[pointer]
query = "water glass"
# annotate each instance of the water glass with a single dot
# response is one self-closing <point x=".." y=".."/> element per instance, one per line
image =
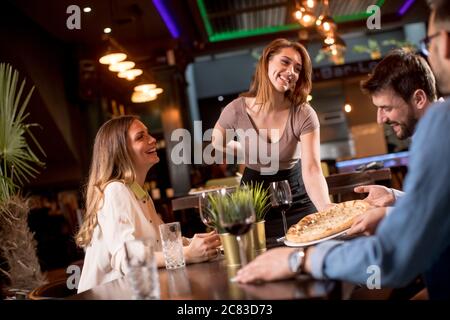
<point x="142" y="269"/>
<point x="172" y="245"/>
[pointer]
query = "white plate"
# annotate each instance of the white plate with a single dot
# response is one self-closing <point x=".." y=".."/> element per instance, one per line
<point x="305" y="244"/>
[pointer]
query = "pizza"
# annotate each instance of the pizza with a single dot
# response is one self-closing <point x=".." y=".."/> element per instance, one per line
<point x="323" y="224"/>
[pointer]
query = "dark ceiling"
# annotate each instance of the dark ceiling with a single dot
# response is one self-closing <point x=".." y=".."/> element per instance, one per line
<point x="138" y="27"/>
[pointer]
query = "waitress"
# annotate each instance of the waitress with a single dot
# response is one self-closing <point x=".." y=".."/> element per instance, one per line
<point x="275" y="108"/>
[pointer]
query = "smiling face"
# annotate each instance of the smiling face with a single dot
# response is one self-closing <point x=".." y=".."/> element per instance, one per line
<point x="396" y="112"/>
<point x="439" y="54"/>
<point x="142" y="146"/>
<point x="284" y="69"/>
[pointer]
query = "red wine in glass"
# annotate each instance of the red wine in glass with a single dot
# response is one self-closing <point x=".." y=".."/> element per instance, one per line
<point x="238" y="228"/>
<point x="238" y="222"/>
<point x="281" y="198"/>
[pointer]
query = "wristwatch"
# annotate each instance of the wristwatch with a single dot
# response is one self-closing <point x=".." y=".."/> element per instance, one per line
<point x="296" y="260"/>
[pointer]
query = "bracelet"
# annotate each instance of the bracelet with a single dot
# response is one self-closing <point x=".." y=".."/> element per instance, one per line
<point x="393" y="194"/>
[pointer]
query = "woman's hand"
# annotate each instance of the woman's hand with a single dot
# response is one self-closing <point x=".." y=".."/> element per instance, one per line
<point x="203" y="246"/>
<point x="378" y="196"/>
<point x="367" y="223"/>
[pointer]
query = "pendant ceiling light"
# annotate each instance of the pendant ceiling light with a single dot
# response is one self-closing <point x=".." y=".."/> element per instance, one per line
<point x="145" y="92"/>
<point x="122" y="66"/>
<point x="311" y="4"/>
<point x="112" y="57"/>
<point x="145" y="87"/>
<point x="130" y="74"/>
<point x="140" y="97"/>
<point x="305" y="17"/>
<point x="337" y="47"/>
<point x="325" y="23"/>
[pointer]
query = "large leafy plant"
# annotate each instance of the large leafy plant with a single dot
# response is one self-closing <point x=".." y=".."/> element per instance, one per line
<point x="18" y="163"/>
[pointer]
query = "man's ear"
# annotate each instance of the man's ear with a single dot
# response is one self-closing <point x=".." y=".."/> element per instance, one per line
<point x="420" y="99"/>
<point x="447" y="45"/>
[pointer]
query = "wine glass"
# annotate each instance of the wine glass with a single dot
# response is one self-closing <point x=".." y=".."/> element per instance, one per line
<point x="281" y="198"/>
<point x="236" y="217"/>
<point x="207" y="214"/>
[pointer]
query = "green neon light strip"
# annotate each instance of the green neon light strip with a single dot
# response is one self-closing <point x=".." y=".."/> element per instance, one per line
<point x="356" y="16"/>
<point x="215" y="37"/>
<point x="204" y="14"/>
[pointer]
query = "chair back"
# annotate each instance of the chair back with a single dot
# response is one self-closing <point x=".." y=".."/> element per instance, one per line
<point x="52" y="291"/>
<point x="341" y="185"/>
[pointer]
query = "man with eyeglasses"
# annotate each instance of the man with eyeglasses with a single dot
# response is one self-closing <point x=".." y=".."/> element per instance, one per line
<point x="381" y="196"/>
<point x="415" y="237"/>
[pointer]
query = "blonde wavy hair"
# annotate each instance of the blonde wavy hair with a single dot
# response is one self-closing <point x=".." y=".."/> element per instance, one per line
<point x="262" y="88"/>
<point x="111" y="161"/>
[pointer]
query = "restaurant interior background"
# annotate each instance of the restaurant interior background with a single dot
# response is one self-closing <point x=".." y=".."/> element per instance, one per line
<point x="202" y="53"/>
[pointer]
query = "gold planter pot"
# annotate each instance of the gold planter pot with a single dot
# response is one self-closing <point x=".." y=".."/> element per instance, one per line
<point x="231" y="247"/>
<point x="259" y="235"/>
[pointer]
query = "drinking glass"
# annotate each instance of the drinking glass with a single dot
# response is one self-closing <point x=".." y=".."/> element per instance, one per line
<point x="237" y="220"/>
<point x="142" y="269"/>
<point x="172" y="245"/>
<point x="205" y="207"/>
<point x="281" y="198"/>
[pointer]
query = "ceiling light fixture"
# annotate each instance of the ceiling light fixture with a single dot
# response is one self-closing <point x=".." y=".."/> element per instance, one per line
<point x="130" y="74"/>
<point x="140" y="97"/>
<point x="112" y="57"/>
<point x="145" y="87"/>
<point x="107" y="30"/>
<point x="325" y="23"/>
<point x="348" y="107"/>
<point x="87" y="9"/>
<point x="121" y="66"/>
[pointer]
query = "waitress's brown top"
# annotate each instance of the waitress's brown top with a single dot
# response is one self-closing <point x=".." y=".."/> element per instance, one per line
<point x="301" y="120"/>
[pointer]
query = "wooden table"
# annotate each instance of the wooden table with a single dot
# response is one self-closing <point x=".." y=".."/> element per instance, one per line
<point x="210" y="281"/>
<point x="337" y="183"/>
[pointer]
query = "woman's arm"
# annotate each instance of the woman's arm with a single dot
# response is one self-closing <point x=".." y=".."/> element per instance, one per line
<point x="223" y="142"/>
<point x="315" y="183"/>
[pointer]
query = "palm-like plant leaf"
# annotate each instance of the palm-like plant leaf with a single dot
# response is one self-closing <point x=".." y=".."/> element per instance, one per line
<point x="18" y="163"/>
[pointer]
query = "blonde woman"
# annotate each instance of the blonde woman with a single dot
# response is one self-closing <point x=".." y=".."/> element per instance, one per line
<point x="117" y="207"/>
<point x="275" y="108"/>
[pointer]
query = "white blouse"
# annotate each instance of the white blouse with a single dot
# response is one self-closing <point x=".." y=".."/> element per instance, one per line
<point x="125" y="215"/>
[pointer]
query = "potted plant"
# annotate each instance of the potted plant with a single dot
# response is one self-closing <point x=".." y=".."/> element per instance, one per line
<point x="18" y="163"/>
<point x="233" y="203"/>
<point x="261" y="203"/>
<point x="230" y="204"/>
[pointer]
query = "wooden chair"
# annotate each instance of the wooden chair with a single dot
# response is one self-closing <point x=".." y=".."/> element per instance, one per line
<point x="52" y="291"/>
<point x="57" y="288"/>
<point x="341" y="185"/>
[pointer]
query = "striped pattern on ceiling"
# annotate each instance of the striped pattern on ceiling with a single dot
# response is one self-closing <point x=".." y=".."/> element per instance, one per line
<point x="231" y="19"/>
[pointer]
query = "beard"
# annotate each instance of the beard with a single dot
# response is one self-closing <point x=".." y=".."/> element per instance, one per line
<point x="407" y="127"/>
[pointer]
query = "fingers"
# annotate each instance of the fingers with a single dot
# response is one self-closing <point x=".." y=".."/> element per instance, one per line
<point x="248" y="274"/>
<point x="357" y="227"/>
<point x="205" y="235"/>
<point x="362" y="189"/>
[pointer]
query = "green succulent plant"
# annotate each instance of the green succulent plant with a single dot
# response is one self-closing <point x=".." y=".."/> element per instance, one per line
<point x="253" y="194"/>
<point x="260" y="199"/>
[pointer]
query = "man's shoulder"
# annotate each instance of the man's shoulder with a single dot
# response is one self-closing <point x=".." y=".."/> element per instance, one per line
<point x="438" y="114"/>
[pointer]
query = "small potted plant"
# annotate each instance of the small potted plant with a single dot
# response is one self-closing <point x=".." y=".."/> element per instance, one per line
<point x="261" y="204"/>
<point x="231" y="207"/>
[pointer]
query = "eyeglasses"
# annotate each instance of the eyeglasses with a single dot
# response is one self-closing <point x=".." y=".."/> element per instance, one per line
<point x="425" y="43"/>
